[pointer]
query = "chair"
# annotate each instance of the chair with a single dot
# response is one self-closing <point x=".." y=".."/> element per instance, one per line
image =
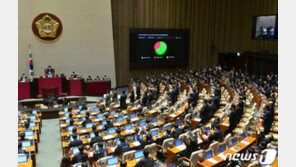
<point x="128" y="155"/>
<point x="214" y="147"/>
<point x="187" y="116"/>
<point x="80" y="164"/>
<point x="198" y="131"/>
<point x="195" y="157"/>
<point x="166" y="143"/>
<point x="103" y="161"/>
<point x="152" y="149"/>
<point x="226" y="139"/>
<point x="182" y="135"/>
<point x="166" y="125"/>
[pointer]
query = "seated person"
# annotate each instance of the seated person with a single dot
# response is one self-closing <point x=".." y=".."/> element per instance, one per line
<point x="22" y="136"/>
<point x="88" y="79"/>
<point x="73" y="75"/>
<point x="97" y="78"/>
<point x="105" y="78"/>
<point x="76" y="142"/>
<point x="20" y="149"/>
<point x="166" y="136"/>
<point x="102" y="152"/>
<point x="27" y="126"/>
<point x="191" y="146"/>
<point x="146" y="161"/>
<point x="176" y="132"/>
<point x="118" y="131"/>
<point x="149" y="125"/>
<point x="123" y="147"/>
<point x="96" y="139"/>
<point x="87" y="119"/>
<point x="149" y="140"/>
<point x="80" y="156"/>
<point x="218" y="134"/>
<point x="108" y="125"/>
<point x="23" y="78"/>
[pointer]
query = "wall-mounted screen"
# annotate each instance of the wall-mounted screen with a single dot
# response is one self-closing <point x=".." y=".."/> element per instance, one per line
<point x="265" y="27"/>
<point x="158" y="48"/>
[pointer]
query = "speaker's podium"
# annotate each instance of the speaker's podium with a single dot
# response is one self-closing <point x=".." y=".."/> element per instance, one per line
<point x="50" y="93"/>
<point x="52" y="72"/>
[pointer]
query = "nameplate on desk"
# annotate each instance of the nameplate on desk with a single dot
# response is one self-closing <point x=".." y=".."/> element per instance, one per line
<point x="212" y="160"/>
<point x="197" y="119"/>
<point x="245" y="142"/>
<point x="221" y="155"/>
<point x="108" y="137"/>
<point x="173" y="115"/>
<point x="181" y="147"/>
<point x="63" y="125"/>
<point x="134" y="119"/>
<point x="136" y="143"/>
<point x="91" y="154"/>
<point x="83" y="130"/>
<point x="112" y="148"/>
<point x="129" y="131"/>
<point x="233" y="149"/>
<point x="225" y="124"/>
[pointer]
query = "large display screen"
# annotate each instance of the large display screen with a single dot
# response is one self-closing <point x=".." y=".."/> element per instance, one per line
<point x="158" y="48"/>
<point x="265" y="27"/>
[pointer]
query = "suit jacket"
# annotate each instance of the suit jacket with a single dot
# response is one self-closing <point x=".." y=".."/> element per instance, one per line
<point x="96" y="139"/>
<point x="75" y="143"/>
<point x="123" y="101"/>
<point x="21" y="151"/>
<point x="146" y="162"/>
<point x="101" y="153"/>
<point x="79" y="157"/>
<point x="122" y="148"/>
<point x="218" y="135"/>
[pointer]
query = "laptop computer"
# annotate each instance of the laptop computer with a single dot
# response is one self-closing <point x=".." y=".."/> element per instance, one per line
<point x="71" y="138"/>
<point x="26" y="144"/>
<point x="128" y="127"/>
<point x="150" y="107"/>
<point x="112" y="112"/>
<point x="82" y="112"/>
<point x="66" y="109"/>
<point x="132" y="105"/>
<point x="140" y="136"/>
<point x="118" y="142"/>
<point x="32" y="124"/>
<point x="66" y="114"/>
<point x="22" y="158"/>
<point x="19" y="112"/>
<point x="100" y="115"/>
<point x="33" y="117"/>
<point x="172" y="111"/>
<point x="83" y="118"/>
<point x="234" y="141"/>
<point x="88" y="125"/>
<point x="34" y="112"/>
<point x="111" y="131"/>
<point x="120" y="119"/>
<point x="222" y="148"/>
<point x="68" y="121"/>
<point x="29" y="133"/>
<point x="70" y="128"/>
<point x="80" y="107"/>
<point x="243" y="136"/>
<point x="132" y="116"/>
<point x="167" y="127"/>
<point x="154" y="120"/>
<point x="104" y="122"/>
<point x="75" y="150"/>
<point x="180" y="123"/>
<point x="112" y="161"/>
<point x="91" y="134"/>
<point x="178" y="142"/>
<point x="154" y="133"/>
<point x="143" y="123"/>
<point x="208" y="154"/>
<point x="96" y="109"/>
<point x="139" y="154"/>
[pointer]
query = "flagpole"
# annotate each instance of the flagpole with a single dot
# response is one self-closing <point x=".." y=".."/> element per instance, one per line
<point x="31" y="69"/>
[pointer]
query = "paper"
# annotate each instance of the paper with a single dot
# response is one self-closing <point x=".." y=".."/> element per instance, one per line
<point x="136" y="143"/>
<point x="173" y="115"/>
<point x="212" y="160"/>
<point x="245" y="142"/>
<point x="181" y="147"/>
<point x="233" y="149"/>
<point x="83" y="130"/>
<point x="134" y="119"/>
<point x="112" y="148"/>
<point x="108" y="137"/>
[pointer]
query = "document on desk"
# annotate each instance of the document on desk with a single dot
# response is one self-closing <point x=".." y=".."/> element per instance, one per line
<point x="83" y="131"/>
<point x="173" y="115"/>
<point x="136" y="143"/>
<point x="212" y="160"/>
<point x="112" y="148"/>
<point x="245" y="142"/>
<point x="134" y="119"/>
<point x="181" y="147"/>
<point x="197" y="119"/>
<point x="108" y="137"/>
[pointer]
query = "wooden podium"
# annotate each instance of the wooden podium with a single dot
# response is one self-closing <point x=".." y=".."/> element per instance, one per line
<point x="53" y="72"/>
<point x="50" y="92"/>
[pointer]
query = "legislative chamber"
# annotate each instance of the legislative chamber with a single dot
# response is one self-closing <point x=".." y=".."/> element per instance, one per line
<point x="127" y="83"/>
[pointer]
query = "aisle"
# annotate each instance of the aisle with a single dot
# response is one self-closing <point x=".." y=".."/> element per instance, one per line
<point x="50" y="150"/>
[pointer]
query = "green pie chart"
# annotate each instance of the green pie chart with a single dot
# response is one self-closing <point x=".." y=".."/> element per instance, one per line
<point x="160" y="47"/>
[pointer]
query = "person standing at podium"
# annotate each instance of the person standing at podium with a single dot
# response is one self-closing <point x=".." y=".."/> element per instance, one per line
<point x="49" y="71"/>
<point x="73" y="75"/>
<point x="23" y="78"/>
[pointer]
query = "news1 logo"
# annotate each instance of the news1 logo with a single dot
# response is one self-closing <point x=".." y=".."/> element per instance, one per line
<point x="267" y="156"/>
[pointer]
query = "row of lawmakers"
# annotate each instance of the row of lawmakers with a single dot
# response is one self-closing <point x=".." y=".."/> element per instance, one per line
<point x="50" y="73"/>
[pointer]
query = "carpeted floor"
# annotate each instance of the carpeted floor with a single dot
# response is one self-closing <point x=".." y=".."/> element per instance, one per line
<point x="50" y="149"/>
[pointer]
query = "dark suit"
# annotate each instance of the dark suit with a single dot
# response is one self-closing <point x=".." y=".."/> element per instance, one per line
<point x="101" y="153"/>
<point x="108" y="99"/>
<point x="232" y="121"/>
<point x="176" y="133"/>
<point x="145" y="100"/>
<point x="122" y="148"/>
<point x="96" y="139"/>
<point x="75" y="143"/>
<point x="107" y="126"/>
<point x="146" y="162"/>
<point x="144" y="142"/>
<point x="88" y="120"/>
<point x="79" y="157"/>
<point x="218" y="135"/>
<point x="204" y="113"/>
<point x="21" y="151"/>
<point x="190" y="147"/>
<point x="132" y="97"/>
<point x="123" y="101"/>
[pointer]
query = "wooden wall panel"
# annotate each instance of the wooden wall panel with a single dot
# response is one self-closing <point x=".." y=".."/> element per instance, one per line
<point x="215" y="26"/>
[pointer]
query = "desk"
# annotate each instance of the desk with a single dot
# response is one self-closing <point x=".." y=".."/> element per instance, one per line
<point x="97" y="87"/>
<point x="50" y="83"/>
<point x="132" y="163"/>
<point x="75" y="87"/>
<point x="24" y="91"/>
<point x="171" y="155"/>
<point x="241" y="146"/>
<point x="26" y="164"/>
